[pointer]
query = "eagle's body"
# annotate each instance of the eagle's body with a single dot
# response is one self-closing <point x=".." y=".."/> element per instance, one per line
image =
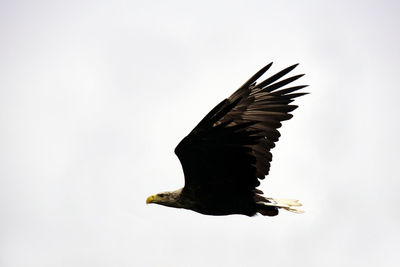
<point x="227" y="153"/>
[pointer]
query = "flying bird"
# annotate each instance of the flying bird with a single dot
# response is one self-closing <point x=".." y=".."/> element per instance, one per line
<point x="228" y="152"/>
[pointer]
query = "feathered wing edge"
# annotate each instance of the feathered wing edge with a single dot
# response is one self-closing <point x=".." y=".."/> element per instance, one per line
<point x="261" y="107"/>
<point x="264" y="106"/>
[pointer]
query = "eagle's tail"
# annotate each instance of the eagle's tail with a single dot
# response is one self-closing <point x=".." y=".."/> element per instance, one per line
<point x="271" y="206"/>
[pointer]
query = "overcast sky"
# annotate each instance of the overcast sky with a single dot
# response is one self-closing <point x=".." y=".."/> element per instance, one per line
<point x="95" y="95"/>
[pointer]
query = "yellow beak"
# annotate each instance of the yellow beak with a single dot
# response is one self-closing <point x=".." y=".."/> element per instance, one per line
<point x="151" y="199"/>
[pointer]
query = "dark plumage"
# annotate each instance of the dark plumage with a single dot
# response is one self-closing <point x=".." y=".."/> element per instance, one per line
<point x="227" y="153"/>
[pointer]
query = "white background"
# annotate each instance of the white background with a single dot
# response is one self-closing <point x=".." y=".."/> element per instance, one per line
<point x="95" y="95"/>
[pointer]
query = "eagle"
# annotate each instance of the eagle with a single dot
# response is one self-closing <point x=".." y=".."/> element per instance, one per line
<point x="227" y="154"/>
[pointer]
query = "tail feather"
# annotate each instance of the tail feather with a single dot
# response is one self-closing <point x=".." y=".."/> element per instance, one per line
<point x="271" y="206"/>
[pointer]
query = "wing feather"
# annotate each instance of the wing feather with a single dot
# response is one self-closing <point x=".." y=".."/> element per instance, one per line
<point x="229" y="150"/>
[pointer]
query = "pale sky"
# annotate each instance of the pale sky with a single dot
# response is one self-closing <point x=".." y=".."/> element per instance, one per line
<point x="95" y="95"/>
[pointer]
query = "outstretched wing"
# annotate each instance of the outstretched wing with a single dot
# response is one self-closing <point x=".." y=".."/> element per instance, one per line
<point x="229" y="150"/>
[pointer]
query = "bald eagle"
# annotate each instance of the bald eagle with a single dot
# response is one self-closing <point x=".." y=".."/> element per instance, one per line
<point x="227" y="153"/>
